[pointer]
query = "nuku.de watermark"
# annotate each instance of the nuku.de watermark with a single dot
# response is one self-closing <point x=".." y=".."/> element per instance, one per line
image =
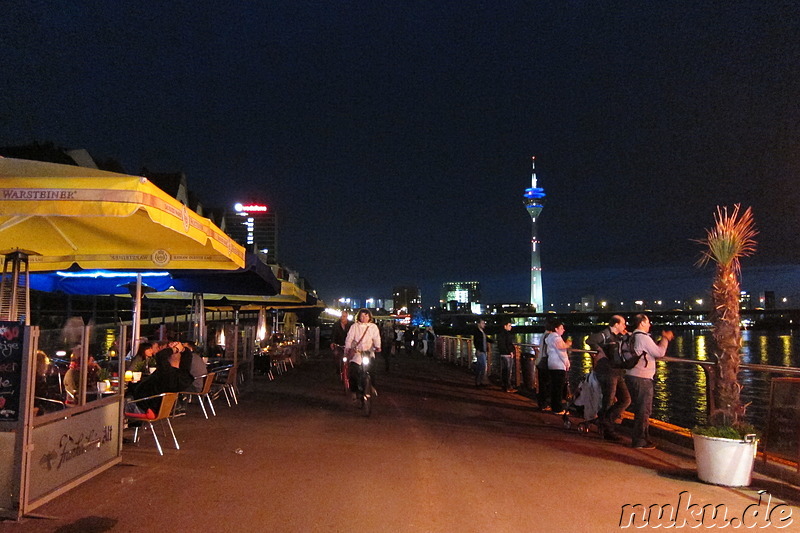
<point x="684" y="513"/>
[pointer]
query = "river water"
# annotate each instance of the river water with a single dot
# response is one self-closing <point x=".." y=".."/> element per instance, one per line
<point x="680" y="389"/>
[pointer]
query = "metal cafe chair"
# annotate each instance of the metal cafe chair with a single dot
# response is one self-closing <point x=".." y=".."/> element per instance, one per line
<point x="168" y="400"/>
<point x="204" y="393"/>
<point x="282" y="359"/>
<point x="228" y="387"/>
<point x="45" y="405"/>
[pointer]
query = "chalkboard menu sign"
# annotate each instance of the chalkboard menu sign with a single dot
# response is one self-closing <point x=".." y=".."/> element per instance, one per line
<point x="783" y="428"/>
<point x="11" y="336"/>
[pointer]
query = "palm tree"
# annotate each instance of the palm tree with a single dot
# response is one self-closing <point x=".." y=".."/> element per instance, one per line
<point x="730" y="239"/>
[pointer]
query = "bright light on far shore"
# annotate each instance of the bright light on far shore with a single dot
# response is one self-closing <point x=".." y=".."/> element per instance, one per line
<point x="334" y="312"/>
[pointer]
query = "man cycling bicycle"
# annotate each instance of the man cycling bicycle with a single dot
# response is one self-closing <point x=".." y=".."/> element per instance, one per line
<point x="338" y="336"/>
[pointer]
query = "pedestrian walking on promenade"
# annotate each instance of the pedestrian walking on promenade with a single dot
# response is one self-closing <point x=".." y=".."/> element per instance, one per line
<point x="611" y="377"/>
<point x="387" y="340"/>
<point x="558" y="366"/>
<point x="338" y="336"/>
<point x="481" y="343"/>
<point x="430" y="335"/>
<point x="640" y="378"/>
<point x="542" y="371"/>
<point x="398" y="340"/>
<point x="505" y="347"/>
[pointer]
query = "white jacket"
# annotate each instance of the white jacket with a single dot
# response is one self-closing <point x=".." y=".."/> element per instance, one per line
<point x="363" y="337"/>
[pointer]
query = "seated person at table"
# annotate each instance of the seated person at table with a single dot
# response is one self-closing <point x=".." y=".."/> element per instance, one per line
<point x="168" y="377"/>
<point x="143" y="356"/>
<point x="45" y="370"/>
<point x="193" y="363"/>
<point x="72" y="379"/>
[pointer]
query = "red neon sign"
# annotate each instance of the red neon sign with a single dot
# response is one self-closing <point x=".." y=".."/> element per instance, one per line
<point x="251" y="208"/>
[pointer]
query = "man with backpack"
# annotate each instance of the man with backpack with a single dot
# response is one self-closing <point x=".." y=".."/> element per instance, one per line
<point x="608" y="368"/>
<point x="640" y="378"/>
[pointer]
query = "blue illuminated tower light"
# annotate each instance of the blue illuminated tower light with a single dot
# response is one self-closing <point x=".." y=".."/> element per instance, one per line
<point x="534" y="202"/>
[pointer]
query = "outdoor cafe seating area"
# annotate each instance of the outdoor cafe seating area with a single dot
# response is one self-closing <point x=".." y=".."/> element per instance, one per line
<point x="59" y="377"/>
<point x="71" y="231"/>
<point x="221" y="387"/>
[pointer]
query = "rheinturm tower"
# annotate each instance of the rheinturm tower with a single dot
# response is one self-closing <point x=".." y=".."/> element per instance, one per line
<point x="534" y="202"/>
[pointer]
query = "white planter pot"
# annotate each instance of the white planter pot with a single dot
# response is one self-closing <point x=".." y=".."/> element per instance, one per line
<point x="725" y="462"/>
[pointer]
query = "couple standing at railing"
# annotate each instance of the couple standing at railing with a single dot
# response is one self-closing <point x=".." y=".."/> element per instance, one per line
<point x="624" y="367"/>
<point x="505" y="348"/>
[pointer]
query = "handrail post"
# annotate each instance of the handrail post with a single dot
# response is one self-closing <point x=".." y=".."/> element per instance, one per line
<point x="711" y="379"/>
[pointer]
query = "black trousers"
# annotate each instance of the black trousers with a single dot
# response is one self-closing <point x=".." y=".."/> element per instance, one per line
<point x="543" y="393"/>
<point x="557" y="380"/>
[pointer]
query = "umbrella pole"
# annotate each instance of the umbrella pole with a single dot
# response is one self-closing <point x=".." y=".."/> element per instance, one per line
<point x="235" y="335"/>
<point x="137" y="319"/>
<point x="199" y="322"/>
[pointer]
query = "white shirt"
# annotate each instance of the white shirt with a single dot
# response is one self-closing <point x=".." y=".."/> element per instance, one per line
<point x="370" y="342"/>
<point x="557" y="357"/>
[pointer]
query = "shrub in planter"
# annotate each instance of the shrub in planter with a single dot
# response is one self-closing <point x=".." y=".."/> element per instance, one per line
<point x="730" y="239"/>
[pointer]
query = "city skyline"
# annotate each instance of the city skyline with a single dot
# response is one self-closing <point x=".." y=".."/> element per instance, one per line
<point x="394" y="140"/>
<point x="623" y="285"/>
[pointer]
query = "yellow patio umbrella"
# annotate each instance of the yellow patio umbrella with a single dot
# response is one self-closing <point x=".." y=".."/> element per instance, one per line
<point x="62" y="215"/>
<point x="290" y="294"/>
<point x="102" y="220"/>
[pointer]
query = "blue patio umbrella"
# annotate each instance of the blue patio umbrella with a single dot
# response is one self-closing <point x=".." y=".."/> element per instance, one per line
<point x="255" y="279"/>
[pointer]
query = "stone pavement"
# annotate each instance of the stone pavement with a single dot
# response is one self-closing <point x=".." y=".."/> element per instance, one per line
<point x="437" y="455"/>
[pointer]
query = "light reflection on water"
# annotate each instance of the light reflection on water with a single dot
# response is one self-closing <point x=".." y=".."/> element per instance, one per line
<point x="680" y="389"/>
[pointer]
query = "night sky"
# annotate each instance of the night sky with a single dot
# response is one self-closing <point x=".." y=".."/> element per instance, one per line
<point x="394" y="139"/>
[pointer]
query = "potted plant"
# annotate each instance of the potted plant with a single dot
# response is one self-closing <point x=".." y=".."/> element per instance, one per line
<point x="103" y="380"/>
<point x="137" y="367"/>
<point x="726" y="447"/>
<point x="150" y="364"/>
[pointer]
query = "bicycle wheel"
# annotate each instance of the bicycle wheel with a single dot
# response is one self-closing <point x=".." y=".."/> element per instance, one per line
<point x="367" y="396"/>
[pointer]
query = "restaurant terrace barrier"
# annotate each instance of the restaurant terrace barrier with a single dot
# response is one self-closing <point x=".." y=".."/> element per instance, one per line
<point x="60" y="423"/>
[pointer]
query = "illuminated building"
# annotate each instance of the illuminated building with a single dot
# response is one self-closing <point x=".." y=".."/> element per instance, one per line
<point x="745" y="300"/>
<point x="406" y="299"/>
<point x="254" y="226"/>
<point x="462" y="295"/>
<point x="534" y="202"/>
<point x="509" y="307"/>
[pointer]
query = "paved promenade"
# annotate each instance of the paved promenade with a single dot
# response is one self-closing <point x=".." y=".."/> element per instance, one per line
<point x="437" y="455"/>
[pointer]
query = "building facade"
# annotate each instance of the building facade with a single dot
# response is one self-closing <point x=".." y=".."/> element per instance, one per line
<point x="255" y="227"/>
<point x="406" y="299"/>
<point x="461" y="296"/>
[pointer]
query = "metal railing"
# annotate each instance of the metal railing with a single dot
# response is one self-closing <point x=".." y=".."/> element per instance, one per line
<point x="458" y="350"/>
